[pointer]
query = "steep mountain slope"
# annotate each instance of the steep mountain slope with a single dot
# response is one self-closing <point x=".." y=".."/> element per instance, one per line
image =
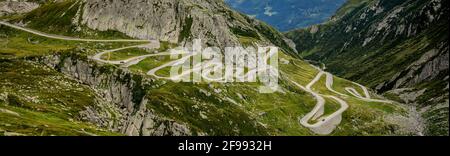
<point x="37" y="100"/>
<point x="8" y="7"/>
<point x="288" y="14"/>
<point x="134" y="102"/>
<point x="166" y="20"/>
<point x="397" y="47"/>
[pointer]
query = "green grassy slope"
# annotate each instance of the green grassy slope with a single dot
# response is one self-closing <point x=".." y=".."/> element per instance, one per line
<point x="36" y="100"/>
<point x="376" y="43"/>
<point x="387" y="54"/>
<point x="278" y="112"/>
<point x="214" y="108"/>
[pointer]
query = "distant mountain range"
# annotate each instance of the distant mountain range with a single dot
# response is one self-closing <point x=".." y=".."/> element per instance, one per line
<point x="288" y="14"/>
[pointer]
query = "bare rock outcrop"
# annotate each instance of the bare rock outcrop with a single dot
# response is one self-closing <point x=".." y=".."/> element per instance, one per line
<point x="14" y="6"/>
<point x="122" y="107"/>
<point x="178" y="21"/>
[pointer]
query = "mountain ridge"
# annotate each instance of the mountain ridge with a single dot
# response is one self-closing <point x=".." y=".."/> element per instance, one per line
<point x="286" y="15"/>
<point x="400" y="48"/>
<point x="135" y="102"/>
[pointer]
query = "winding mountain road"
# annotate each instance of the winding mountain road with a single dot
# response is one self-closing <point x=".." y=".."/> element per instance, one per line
<point x="59" y="37"/>
<point x="323" y="125"/>
<point x="329" y="84"/>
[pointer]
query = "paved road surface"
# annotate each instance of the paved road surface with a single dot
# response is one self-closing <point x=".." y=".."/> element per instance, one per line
<point x="65" y="37"/>
<point x="324" y="124"/>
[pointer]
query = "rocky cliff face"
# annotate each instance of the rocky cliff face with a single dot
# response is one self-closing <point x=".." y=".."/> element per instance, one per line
<point x="124" y="108"/>
<point x="13" y="7"/>
<point x="135" y="104"/>
<point x="178" y="21"/>
<point x="389" y="45"/>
